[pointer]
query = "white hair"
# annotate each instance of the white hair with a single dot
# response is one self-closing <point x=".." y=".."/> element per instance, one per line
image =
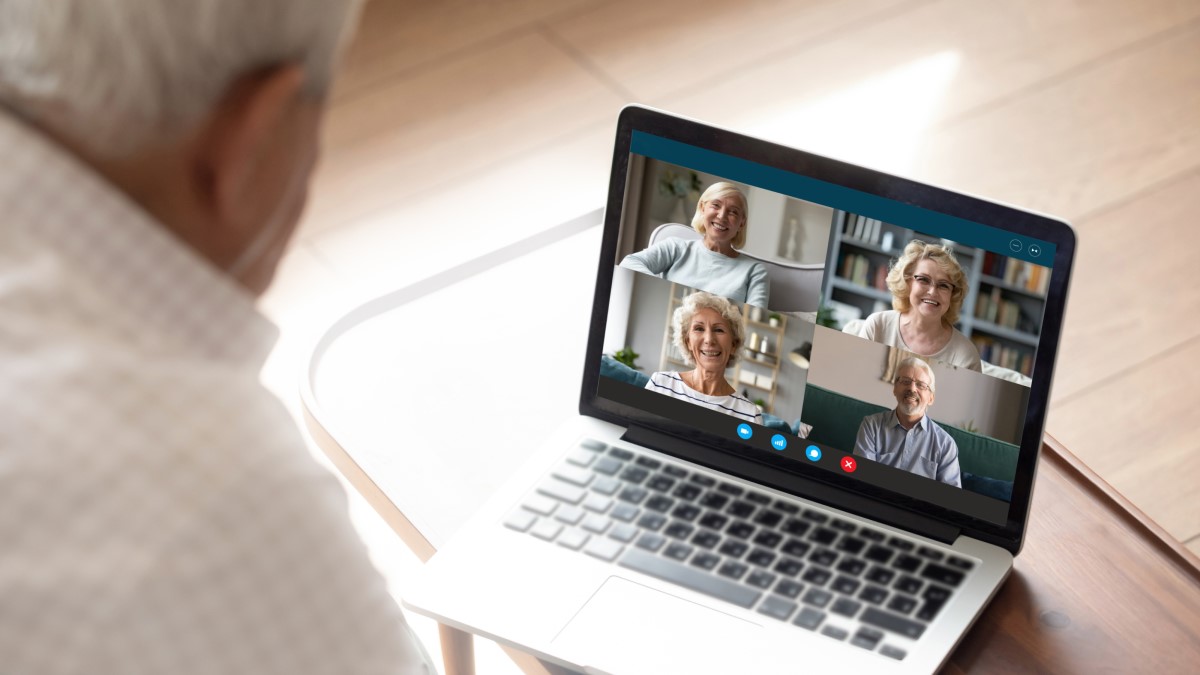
<point x="113" y="75"/>
<point x="681" y="321"/>
<point x="920" y="364"/>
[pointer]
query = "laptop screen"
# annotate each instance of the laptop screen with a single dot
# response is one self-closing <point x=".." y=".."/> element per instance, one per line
<point x="852" y="335"/>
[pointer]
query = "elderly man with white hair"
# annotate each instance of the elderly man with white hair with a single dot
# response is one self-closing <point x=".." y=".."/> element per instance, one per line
<point x="159" y="511"/>
<point x="905" y="438"/>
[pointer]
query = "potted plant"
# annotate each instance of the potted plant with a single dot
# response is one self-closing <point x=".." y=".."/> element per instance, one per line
<point x="627" y="356"/>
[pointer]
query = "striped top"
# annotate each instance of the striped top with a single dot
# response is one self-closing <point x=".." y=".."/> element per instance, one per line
<point x="737" y="405"/>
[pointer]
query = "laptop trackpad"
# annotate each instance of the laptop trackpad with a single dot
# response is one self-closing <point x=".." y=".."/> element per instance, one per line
<point x="626" y="627"/>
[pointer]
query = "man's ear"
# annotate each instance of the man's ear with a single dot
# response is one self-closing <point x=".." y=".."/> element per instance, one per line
<point x="231" y="147"/>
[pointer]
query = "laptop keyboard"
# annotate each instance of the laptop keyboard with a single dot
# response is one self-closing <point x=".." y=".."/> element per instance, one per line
<point x="779" y="558"/>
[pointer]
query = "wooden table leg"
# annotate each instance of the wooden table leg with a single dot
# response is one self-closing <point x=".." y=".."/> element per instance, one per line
<point x="458" y="650"/>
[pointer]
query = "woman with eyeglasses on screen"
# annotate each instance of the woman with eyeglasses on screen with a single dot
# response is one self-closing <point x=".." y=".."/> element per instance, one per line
<point x="928" y="286"/>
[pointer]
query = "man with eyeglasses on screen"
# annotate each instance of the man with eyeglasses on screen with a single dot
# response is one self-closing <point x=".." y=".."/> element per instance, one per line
<point x="905" y="438"/>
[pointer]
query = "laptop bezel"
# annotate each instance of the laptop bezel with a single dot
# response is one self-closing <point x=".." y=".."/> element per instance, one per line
<point x="797" y="477"/>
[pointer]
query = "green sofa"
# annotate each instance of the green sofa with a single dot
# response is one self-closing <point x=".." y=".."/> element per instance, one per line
<point x="988" y="465"/>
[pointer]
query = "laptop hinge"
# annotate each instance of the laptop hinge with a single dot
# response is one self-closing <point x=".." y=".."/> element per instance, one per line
<point x="873" y="509"/>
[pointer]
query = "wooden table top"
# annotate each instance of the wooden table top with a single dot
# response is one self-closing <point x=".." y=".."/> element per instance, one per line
<point x="1098" y="587"/>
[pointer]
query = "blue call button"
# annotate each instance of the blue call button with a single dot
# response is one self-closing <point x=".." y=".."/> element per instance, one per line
<point x="745" y="431"/>
<point x="778" y="442"/>
<point x="813" y="453"/>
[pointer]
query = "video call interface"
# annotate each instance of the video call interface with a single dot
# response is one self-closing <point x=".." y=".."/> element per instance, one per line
<point x="825" y="325"/>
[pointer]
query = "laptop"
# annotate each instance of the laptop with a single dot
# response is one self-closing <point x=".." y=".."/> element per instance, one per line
<point x="786" y="483"/>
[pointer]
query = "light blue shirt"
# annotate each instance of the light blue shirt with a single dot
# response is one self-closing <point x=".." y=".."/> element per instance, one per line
<point x="926" y="449"/>
<point x="740" y="279"/>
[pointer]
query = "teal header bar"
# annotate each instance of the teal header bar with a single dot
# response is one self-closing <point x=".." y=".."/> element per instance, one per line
<point x="940" y="225"/>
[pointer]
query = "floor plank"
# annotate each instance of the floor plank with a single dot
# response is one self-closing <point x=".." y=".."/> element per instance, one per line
<point x="1085" y="142"/>
<point x="396" y="37"/>
<point x="1132" y="297"/>
<point x="1194" y="545"/>
<point x="941" y="62"/>
<point x="658" y="48"/>
<point x="449" y="121"/>
<point x="1136" y="430"/>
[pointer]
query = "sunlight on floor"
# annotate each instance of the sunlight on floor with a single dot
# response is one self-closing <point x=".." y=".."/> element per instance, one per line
<point x="880" y="122"/>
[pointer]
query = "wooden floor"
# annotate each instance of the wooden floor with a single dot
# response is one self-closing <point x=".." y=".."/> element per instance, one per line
<point x="460" y="126"/>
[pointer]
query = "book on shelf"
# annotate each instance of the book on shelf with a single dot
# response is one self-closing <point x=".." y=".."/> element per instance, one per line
<point x="1014" y="358"/>
<point x="1017" y="273"/>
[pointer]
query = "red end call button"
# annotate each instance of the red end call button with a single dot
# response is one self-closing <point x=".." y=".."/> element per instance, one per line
<point x="849" y="465"/>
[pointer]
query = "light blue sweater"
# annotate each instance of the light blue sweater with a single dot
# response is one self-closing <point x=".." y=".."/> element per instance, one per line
<point x="689" y="263"/>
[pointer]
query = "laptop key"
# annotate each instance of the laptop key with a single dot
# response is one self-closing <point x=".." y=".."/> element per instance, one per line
<point x="651" y="541"/>
<point x="767" y="539"/>
<point x="892" y="623"/>
<point x="740" y="509"/>
<point x="713" y="521"/>
<point x="545" y="529"/>
<point x="902" y="604"/>
<point x="606" y="486"/>
<point x="942" y="575"/>
<point x="604" y="549"/>
<point x="573" y="539"/>
<point x="777" y="607"/>
<point x="621" y="454"/>
<point x="843" y="525"/>
<point x="564" y="492"/>
<point x="730" y="489"/>
<point x="900" y="544"/>
<point x="758" y="498"/>
<point x="581" y="457"/>
<point x="867" y="638"/>
<point x="796" y="547"/>
<point x="714" y="501"/>
<point x="570" y="515"/>
<point x="678" y="530"/>
<point x="809" y="618"/>
<point x="648" y="462"/>
<point x="785" y="507"/>
<point x="908" y="585"/>
<point x="761" y="579"/>
<point x="873" y="536"/>
<point x="873" y="594"/>
<point x="686" y="576"/>
<point x="960" y="563"/>
<point x="623" y="532"/>
<point x="520" y="520"/>
<point x="625" y="512"/>
<point x="661" y="483"/>
<point x="686" y="512"/>
<point x="607" y="466"/>
<point x="879" y="554"/>
<point x="768" y="518"/>
<point x="703" y="481"/>
<point x="678" y="551"/>
<point x="592" y="444"/>
<point x="835" y="632"/>
<point x="845" y="585"/>
<point x="789" y="589"/>
<point x="706" y="539"/>
<point x="822" y="536"/>
<point x="543" y="506"/>
<point x="880" y="575"/>
<point x="741" y="530"/>
<point x="733" y="569"/>
<point x="573" y="475"/>
<point x="733" y="548"/>
<point x="789" y="566"/>
<point x="817" y="597"/>
<point x="893" y="652"/>
<point x="851" y="545"/>
<point x="817" y="576"/>
<point x="815" y="516"/>
<point x="633" y="495"/>
<point x="660" y="503"/>
<point x="675" y="471"/>
<point x="652" y="522"/>
<point x="595" y="523"/>
<point x="823" y="557"/>
<point x="597" y="503"/>
<point x="634" y="475"/>
<point x="851" y="566"/>
<point x="930" y="553"/>
<point x="761" y="558"/>
<point x="796" y="527"/>
<point x="686" y="491"/>
<point x="846" y="607"/>
<point x="706" y="561"/>
<point x="906" y="563"/>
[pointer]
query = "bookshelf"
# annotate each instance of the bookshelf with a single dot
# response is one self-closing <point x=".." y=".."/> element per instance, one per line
<point x="1002" y="309"/>
<point x="756" y="373"/>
